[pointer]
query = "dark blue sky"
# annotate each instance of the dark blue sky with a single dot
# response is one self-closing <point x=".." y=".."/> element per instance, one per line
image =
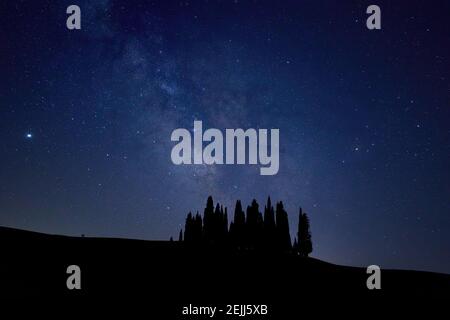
<point x="363" y="115"/>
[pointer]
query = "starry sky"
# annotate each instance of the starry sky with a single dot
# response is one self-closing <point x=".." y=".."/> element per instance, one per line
<point x="86" y="118"/>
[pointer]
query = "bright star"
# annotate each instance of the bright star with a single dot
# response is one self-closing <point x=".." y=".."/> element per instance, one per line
<point x="29" y="135"/>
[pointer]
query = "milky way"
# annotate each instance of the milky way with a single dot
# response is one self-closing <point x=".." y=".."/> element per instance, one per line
<point x="86" y="119"/>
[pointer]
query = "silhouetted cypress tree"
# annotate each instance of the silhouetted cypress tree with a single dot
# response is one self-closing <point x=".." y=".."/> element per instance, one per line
<point x="254" y="226"/>
<point x="295" y="246"/>
<point x="180" y="236"/>
<point x="197" y="237"/>
<point x="231" y="231"/>
<point x="225" y="223"/>
<point x="232" y="236"/>
<point x="251" y="225"/>
<point x="269" y="225"/>
<point x="220" y="225"/>
<point x="282" y="228"/>
<point x="238" y="226"/>
<point x="304" y="235"/>
<point x="259" y="231"/>
<point x="217" y="229"/>
<point x="188" y="228"/>
<point x="208" y="220"/>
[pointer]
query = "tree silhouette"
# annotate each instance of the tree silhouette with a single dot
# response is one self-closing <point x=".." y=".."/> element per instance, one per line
<point x="225" y="235"/>
<point x="208" y="221"/>
<point x="250" y="231"/>
<point x="188" y="228"/>
<point x="197" y="232"/>
<point x="251" y="225"/>
<point x="304" y="235"/>
<point x="269" y="226"/>
<point x="295" y="246"/>
<point x="237" y="227"/>
<point x="283" y="238"/>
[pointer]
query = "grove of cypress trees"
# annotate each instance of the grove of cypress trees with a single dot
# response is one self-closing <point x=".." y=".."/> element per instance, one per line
<point x="304" y="235"/>
<point x="249" y="231"/>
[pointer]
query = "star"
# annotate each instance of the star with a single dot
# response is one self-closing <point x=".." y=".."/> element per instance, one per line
<point x="29" y="135"/>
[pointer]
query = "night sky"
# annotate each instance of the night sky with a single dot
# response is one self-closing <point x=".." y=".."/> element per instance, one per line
<point x="86" y="118"/>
